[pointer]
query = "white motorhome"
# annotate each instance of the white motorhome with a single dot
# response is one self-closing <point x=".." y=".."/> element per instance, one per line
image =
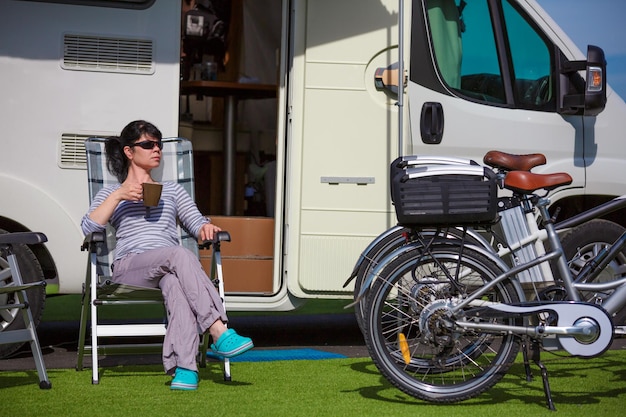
<point x="481" y="75"/>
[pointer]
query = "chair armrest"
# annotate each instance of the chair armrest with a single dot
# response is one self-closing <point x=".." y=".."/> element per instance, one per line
<point x="222" y="236"/>
<point x="92" y="240"/>
<point x="26" y="238"/>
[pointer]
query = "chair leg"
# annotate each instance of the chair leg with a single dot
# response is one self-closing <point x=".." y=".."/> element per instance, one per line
<point x="84" y="314"/>
<point x="227" y="376"/>
<point x="35" y="347"/>
<point x="217" y="264"/>
<point x="94" y="322"/>
<point x="204" y="347"/>
<point x="44" y="382"/>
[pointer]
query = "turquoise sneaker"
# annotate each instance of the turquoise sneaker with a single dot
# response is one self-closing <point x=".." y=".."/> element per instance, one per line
<point x="231" y="344"/>
<point x="185" y="380"/>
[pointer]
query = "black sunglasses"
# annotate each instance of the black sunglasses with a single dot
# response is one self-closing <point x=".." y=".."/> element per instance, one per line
<point x="149" y="144"/>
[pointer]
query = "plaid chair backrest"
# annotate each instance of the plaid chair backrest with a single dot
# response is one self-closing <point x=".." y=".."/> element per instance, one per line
<point x="176" y="165"/>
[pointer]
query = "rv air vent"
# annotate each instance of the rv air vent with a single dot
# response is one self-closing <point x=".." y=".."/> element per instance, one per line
<point x="107" y="54"/>
<point x="72" y="151"/>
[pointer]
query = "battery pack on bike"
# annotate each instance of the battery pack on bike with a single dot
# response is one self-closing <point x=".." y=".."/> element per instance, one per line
<point x="524" y="245"/>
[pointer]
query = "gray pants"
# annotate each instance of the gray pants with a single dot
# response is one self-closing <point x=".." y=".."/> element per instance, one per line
<point x="191" y="300"/>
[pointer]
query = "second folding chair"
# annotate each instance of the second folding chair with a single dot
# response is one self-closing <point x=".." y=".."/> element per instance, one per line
<point x="13" y="297"/>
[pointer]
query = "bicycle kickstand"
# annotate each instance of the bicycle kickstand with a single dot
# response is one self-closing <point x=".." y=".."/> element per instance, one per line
<point x="544" y="373"/>
<point x="525" y="346"/>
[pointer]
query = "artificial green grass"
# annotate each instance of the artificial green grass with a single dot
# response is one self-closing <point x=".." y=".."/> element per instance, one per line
<point x="336" y="387"/>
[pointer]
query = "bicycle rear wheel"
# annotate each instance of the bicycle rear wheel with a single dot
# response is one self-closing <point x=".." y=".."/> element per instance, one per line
<point x="412" y="337"/>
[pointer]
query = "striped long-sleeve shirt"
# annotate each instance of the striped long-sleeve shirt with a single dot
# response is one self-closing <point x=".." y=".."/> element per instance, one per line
<point x="139" y="228"/>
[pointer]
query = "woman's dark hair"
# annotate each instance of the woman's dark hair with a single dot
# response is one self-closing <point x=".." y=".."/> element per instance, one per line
<point x="117" y="162"/>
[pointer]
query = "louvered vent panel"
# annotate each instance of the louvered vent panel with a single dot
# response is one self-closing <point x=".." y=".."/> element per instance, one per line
<point x="96" y="53"/>
<point x="72" y="151"/>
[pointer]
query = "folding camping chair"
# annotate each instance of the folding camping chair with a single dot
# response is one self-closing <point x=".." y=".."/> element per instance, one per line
<point x="99" y="291"/>
<point x="13" y="296"/>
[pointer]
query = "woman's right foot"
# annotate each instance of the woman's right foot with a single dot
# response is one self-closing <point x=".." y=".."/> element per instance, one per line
<point x="185" y="380"/>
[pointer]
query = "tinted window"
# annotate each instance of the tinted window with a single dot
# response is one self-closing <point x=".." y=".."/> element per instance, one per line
<point x="473" y="63"/>
<point x="531" y="60"/>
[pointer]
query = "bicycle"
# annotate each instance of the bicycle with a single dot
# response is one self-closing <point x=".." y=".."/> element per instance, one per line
<point x="580" y="244"/>
<point x="446" y="317"/>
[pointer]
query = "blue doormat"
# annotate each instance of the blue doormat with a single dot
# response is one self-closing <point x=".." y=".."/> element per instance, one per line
<point x="268" y="355"/>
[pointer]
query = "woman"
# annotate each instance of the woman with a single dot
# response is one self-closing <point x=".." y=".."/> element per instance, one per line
<point x="148" y="253"/>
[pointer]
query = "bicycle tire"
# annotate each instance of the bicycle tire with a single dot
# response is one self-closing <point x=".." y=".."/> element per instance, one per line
<point x="445" y="364"/>
<point x="387" y="245"/>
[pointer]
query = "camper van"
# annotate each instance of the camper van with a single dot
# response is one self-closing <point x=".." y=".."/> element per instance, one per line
<point x="294" y="118"/>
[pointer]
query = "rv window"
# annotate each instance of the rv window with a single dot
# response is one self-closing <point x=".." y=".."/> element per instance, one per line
<point x="532" y="63"/>
<point x="482" y="63"/>
<point x="446" y="34"/>
<point x="465" y="48"/>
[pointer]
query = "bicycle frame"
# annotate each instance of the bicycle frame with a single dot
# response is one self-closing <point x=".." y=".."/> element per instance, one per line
<point x="612" y="304"/>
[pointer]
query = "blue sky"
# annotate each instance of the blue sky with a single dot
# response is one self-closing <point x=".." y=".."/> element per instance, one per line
<point x="596" y="22"/>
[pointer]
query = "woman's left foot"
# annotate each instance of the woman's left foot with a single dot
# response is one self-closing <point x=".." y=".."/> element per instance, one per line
<point x="231" y="344"/>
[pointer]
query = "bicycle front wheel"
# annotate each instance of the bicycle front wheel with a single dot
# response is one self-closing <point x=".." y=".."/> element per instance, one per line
<point x="412" y="335"/>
